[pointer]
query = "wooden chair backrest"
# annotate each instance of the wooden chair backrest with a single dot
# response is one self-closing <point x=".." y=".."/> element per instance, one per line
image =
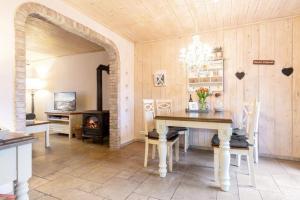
<point x="163" y="106"/>
<point x="253" y="120"/>
<point x="149" y="114"/>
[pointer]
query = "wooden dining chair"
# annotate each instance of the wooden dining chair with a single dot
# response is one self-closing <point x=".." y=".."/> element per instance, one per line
<point x="165" y="106"/>
<point x="247" y="109"/>
<point x="152" y="137"/>
<point x="240" y="145"/>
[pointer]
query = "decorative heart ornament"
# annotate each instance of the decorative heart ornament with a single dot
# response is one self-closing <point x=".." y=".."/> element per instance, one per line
<point x="240" y="75"/>
<point x="287" y="71"/>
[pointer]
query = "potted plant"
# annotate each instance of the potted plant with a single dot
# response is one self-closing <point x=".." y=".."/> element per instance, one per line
<point x="218" y="51"/>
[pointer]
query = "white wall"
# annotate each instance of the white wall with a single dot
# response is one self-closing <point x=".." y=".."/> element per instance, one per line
<point x="68" y="73"/>
<point x="7" y="62"/>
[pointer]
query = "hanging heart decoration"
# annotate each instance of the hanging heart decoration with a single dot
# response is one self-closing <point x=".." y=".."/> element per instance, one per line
<point x="240" y="75"/>
<point x="287" y="71"/>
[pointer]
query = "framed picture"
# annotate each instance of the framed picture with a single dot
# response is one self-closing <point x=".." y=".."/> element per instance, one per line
<point x="159" y="78"/>
<point x="193" y="106"/>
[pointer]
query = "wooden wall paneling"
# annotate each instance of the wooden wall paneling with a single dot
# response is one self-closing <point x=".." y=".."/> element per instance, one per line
<point x="241" y="57"/>
<point x="230" y="51"/>
<point x="283" y="88"/>
<point x="296" y="88"/>
<point x="267" y="139"/>
<point x="276" y="114"/>
<point x="155" y="60"/>
<point x="251" y="89"/>
<point x="138" y="90"/>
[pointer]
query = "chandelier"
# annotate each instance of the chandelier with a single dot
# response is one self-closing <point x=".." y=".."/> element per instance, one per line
<point x="196" y="54"/>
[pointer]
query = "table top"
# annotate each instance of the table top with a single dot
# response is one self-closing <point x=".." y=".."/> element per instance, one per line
<point x="57" y="112"/>
<point x="36" y="123"/>
<point x="14" y="139"/>
<point x="216" y="117"/>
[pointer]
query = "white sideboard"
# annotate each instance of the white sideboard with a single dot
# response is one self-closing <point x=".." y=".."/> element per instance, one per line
<point x="16" y="163"/>
<point x="64" y="122"/>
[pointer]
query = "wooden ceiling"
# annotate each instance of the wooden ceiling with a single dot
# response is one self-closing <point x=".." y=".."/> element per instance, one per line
<point x="44" y="39"/>
<point x="143" y="20"/>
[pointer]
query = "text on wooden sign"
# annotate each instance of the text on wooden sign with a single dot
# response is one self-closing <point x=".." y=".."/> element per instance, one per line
<point x="263" y="62"/>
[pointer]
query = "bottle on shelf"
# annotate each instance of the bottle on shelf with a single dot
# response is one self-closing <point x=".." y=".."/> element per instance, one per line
<point x="190" y="100"/>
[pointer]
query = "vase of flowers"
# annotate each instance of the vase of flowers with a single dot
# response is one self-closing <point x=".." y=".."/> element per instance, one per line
<point x="202" y="93"/>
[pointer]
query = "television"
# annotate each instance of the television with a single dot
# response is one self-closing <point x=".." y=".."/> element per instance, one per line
<point x="65" y="101"/>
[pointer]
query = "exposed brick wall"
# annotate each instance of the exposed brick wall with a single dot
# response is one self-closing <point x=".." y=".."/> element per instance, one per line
<point x="34" y="9"/>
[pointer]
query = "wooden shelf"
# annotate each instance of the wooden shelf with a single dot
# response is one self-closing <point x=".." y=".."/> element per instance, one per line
<point x="59" y="120"/>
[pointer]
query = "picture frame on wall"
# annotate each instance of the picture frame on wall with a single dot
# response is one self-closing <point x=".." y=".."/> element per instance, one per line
<point x="159" y="78"/>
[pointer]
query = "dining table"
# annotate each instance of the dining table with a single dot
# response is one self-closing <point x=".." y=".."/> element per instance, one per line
<point x="220" y="121"/>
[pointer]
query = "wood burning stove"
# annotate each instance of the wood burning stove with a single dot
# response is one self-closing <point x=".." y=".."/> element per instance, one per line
<point x="95" y="123"/>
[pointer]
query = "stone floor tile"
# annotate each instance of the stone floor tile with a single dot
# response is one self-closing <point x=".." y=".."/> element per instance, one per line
<point x="89" y="186"/>
<point x="269" y="195"/>
<point x="100" y="174"/>
<point x="161" y="188"/>
<point x="35" y="181"/>
<point x="286" y="180"/>
<point x="64" y="182"/>
<point x="194" y="191"/>
<point x="227" y="196"/>
<point x="116" y="189"/>
<point x="135" y="196"/>
<point x="247" y="193"/>
<point x="74" y="194"/>
<point x="34" y="194"/>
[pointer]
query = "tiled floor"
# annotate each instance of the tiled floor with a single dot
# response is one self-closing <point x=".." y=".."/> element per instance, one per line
<point x="85" y="171"/>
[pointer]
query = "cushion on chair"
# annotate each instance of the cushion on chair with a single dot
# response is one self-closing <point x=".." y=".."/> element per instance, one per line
<point x="154" y="134"/>
<point x="178" y="128"/>
<point x="236" y="141"/>
<point x="239" y="131"/>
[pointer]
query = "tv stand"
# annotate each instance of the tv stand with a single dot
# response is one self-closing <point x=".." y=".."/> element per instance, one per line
<point x="64" y="121"/>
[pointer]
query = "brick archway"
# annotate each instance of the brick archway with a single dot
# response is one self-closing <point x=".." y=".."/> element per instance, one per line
<point x="34" y="9"/>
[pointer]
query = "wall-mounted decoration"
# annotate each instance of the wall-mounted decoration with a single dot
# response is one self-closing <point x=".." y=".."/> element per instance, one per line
<point x="217" y="53"/>
<point x="263" y="62"/>
<point x="240" y="75"/>
<point x="159" y="78"/>
<point x="287" y="71"/>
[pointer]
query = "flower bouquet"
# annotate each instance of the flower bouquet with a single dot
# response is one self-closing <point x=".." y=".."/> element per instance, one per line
<point x="202" y="93"/>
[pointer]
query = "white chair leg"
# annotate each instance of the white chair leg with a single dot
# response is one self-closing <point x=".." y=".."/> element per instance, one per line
<point x="255" y="152"/>
<point x="177" y="150"/>
<point x="186" y="141"/>
<point x="251" y="167"/>
<point x="146" y="153"/>
<point x="171" y="158"/>
<point x="216" y="164"/>
<point x="238" y="159"/>
<point x="153" y="151"/>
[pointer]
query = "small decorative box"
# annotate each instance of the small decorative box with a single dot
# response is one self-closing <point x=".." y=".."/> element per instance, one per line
<point x="3" y="133"/>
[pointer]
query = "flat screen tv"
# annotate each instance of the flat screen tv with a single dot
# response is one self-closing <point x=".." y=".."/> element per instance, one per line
<point x="65" y="101"/>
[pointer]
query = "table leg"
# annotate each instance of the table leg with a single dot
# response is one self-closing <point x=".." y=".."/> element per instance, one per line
<point x="162" y="130"/>
<point x="224" y="158"/>
<point x="47" y="137"/>
<point x="24" y="171"/>
<point x="22" y="190"/>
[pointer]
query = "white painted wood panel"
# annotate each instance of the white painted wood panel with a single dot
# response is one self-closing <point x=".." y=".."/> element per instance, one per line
<point x="145" y="20"/>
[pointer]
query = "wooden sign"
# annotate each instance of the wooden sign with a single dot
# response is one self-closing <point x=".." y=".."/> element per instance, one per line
<point x="263" y="62"/>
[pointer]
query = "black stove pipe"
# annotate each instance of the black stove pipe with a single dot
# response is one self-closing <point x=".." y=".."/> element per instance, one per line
<point x="100" y="68"/>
